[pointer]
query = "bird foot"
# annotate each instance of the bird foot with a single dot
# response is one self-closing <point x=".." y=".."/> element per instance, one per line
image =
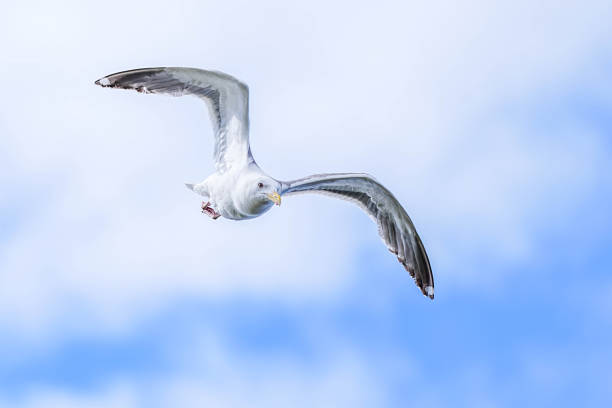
<point x="208" y="210"/>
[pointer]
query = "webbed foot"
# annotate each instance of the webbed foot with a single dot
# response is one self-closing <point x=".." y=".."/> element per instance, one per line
<point x="208" y="210"/>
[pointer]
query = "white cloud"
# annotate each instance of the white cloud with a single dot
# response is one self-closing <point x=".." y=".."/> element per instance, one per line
<point x="213" y="374"/>
<point x="117" y="397"/>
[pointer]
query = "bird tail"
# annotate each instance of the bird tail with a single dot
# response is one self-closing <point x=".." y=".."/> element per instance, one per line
<point x="200" y="189"/>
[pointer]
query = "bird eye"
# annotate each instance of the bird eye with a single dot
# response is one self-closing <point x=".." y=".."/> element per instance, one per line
<point x="260" y="185"/>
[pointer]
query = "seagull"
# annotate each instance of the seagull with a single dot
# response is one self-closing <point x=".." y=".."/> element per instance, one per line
<point x="240" y="190"/>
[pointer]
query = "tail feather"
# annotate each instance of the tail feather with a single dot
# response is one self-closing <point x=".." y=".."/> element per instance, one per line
<point x="198" y="189"/>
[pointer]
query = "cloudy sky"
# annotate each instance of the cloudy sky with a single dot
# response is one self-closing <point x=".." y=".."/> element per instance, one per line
<point x="491" y="123"/>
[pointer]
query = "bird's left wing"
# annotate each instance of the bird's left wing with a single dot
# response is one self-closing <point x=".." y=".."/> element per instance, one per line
<point x="394" y="225"/>
<point x="227" y="99"/>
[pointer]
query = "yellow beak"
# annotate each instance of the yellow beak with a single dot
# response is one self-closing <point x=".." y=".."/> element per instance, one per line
<point x="275" y="198"/>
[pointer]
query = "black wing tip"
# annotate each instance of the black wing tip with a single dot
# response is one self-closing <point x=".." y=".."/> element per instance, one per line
<point x="103" y="82"/>
<point x="426" y="280"/>
<point x="426" y="289"/>
<point x="111" y="81"/>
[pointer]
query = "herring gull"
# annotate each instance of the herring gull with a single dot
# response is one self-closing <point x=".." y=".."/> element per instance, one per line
<point x="240" y="190"/>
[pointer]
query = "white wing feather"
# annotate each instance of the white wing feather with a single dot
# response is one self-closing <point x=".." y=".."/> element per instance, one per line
<point x="227" y="99"/>
<point x="394" y="225"/>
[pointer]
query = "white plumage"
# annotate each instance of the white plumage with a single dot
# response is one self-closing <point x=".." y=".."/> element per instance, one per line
<point x="240" y="190"/>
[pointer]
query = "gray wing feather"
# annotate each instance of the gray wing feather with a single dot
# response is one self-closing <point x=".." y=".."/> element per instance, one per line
<point x="394" y="225"/>
<point x="226" y="97"/>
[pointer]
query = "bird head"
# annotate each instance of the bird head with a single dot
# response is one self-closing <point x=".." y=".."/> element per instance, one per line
<point x="267" y="190"/>
<point x="256" y="192"/>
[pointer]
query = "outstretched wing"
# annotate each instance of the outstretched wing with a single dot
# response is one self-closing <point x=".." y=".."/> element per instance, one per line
<point x="226" y="97"/>
<point x="394" y="225"/>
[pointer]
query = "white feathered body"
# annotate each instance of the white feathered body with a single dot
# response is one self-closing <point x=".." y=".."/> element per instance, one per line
<point x="231" y="193"/>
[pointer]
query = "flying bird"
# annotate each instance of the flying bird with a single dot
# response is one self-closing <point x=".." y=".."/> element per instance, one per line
<point x="240" y="190"/>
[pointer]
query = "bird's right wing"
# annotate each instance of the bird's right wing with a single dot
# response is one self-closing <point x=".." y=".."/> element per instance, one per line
<point x="394" y="225"/>
<point x="226" y="97"/>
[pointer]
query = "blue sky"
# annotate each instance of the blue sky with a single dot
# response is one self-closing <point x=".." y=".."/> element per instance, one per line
<point x="490" y="122"/>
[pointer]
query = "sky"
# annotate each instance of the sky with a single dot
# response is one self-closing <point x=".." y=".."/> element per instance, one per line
<point x="490" y="121"/>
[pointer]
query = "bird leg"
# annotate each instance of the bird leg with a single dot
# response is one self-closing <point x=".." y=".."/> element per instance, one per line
<point x="208" y="210"/>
